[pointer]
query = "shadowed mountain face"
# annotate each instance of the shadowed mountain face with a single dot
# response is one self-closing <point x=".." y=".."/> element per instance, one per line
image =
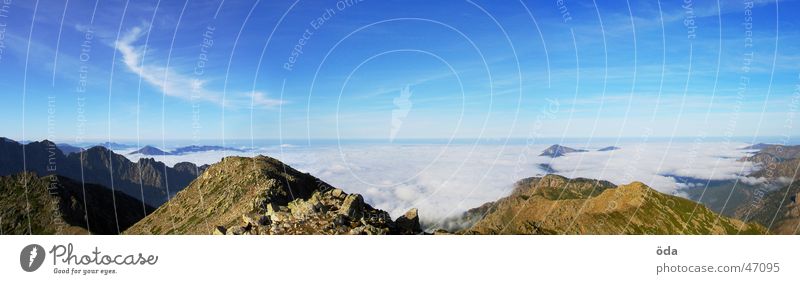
<point x="777" y="210"/>
<point x="261" y="195"/>
<point x="558" y="151"/>
<point x="58" y="205"/>
<point x="557" y="205"/>
<point x="147" y="179"/>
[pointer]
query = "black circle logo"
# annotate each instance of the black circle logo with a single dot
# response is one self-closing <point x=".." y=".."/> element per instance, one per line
<point x="31" y="257"/>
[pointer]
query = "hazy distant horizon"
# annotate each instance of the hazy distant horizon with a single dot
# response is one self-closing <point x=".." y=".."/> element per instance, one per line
<point x="567" y="141"/>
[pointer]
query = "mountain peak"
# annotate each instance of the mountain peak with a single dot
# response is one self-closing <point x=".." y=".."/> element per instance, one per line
<point x="149" y="151"/>
<point x="262" y="195"/>
<point x="585" y="206"/>
<point x="556" y="150"/>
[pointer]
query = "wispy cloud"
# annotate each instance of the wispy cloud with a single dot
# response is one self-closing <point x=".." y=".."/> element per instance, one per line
<point x="259" y="99"/>
<point x="184" y="86"/>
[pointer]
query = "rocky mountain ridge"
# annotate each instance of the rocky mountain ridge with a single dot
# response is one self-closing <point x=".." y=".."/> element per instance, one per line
<point x="261" y="195"/>
<point x="556" y="205"/>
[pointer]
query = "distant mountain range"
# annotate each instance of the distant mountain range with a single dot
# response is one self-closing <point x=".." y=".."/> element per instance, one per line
<point x="153" y="151"/>
<point x="68" y="149"/>
<point x="114" y="146"/>
<point x="44" y="191"/>
<point x="147" y="179"/>
<point x="759" y="146"/>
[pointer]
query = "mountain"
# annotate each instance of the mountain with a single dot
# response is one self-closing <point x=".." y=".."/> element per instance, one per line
<point x="114" y="146"/>
<point x="609" y="148"/>
<point x="148" y="180"/>
<point x="558" y="151"/>
<point x="261" y="195"/>
<point x="68" y="149"/>
<point x="149" y="151"/>
<point x="777" y="167"/>
<point x="195" y="149"/>
<point x="58" y="205"/>
<point x="773" y="154"/>
<point x="778" y="210"/>
<point x="759" y="146"/>
<point x="776" y="161"/>
<point x="153" y="151"/>
<point x="547" y="168"/>
<point x="721" y="196"/>
<point x="556" y="205"/>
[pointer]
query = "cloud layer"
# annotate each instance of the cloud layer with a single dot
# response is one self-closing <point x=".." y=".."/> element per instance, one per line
<point x="444" y="181"/>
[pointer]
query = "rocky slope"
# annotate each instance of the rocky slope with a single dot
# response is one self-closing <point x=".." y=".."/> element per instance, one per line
<point x="30" y="204"/>
<point x="147" y="179"/>
<point x="261" y="195"/>
<point x="556" y="205"/>
<point x="778" y="210"/>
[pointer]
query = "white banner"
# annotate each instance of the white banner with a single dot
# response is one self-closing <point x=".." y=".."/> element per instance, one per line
<point x="399" y="259"/>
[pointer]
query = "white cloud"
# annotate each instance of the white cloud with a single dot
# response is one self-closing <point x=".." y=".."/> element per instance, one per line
<point x="444" y="181"/>
<point x="176" y="84"/>
<point x="259" y="99"/>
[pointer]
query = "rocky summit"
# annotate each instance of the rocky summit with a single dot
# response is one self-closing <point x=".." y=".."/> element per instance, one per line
<point x="261" y="195"/>
<point x="557" y="205"/>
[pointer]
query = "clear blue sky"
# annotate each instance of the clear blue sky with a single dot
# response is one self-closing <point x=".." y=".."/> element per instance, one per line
<point x="473" y="69"/>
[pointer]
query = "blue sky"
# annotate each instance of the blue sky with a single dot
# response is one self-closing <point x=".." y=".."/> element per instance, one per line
<point x="122" y="70"/>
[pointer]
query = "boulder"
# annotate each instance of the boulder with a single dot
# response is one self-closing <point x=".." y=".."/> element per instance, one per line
<point x="409" y="222"/>
<point x="264" y="220"/>
<point x="271" y="208"/>
<point x="341" y="220"/>
<point x="300" y="208"/>
<point x="250" y="219"/>
<point x="218" y="230"/>
<point x="236" y="230"/>
<point x="337" y="193"/>
<point x="353" y="206"/>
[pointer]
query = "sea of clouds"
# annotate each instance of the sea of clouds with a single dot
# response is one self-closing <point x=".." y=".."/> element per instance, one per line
<point x="445" y="180"/>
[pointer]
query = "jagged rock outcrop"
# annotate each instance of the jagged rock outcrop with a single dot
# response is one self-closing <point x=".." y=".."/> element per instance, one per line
<point x="557" y="205"/>
<point x="409" y="222"/>
<point x="261" y="195"/>
<point x="30" y="204"/>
